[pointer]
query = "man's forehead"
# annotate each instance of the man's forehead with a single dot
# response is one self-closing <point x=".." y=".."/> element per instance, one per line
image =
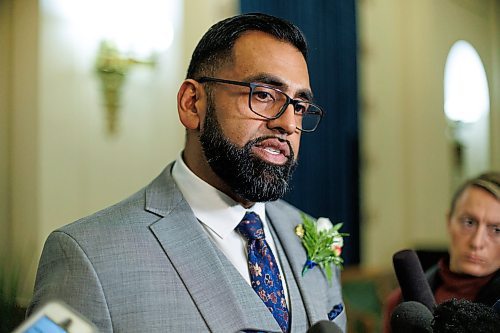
<point x="261" y="57"/>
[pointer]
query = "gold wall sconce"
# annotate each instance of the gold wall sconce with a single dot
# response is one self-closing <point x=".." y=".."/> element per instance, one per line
<point x="112" y="68"/>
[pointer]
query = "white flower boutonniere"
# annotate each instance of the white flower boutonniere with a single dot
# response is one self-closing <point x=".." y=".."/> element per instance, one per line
<point x="323" y="243"/>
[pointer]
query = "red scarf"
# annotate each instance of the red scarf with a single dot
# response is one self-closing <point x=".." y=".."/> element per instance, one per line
<point x="459" y="286"/>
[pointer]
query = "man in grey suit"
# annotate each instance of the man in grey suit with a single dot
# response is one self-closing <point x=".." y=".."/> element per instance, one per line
<point x="170" y="257"/>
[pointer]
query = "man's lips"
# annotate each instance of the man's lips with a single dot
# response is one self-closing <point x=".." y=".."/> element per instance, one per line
<point x="275" y="146"/>
<point x="272" y="150"/>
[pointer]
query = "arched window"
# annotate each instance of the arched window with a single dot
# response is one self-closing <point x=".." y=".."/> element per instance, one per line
<point x="466" y="96"/>
<point x="467" y="106"/>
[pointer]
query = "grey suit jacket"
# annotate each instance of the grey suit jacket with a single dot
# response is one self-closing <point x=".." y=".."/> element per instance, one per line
<point x="147" y="265"/>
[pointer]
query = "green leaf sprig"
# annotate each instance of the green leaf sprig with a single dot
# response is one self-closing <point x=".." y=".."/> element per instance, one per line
<point x="323" y="243"/>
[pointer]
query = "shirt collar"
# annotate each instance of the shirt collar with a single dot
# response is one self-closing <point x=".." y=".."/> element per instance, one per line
<point x="213" y="208"/>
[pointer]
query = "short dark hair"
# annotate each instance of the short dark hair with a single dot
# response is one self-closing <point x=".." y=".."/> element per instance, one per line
<point x="488" y="181"/>
<point x="216" y="46"/>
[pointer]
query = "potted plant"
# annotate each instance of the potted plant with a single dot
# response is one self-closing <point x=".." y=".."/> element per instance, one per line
<point x="11" y="314"/>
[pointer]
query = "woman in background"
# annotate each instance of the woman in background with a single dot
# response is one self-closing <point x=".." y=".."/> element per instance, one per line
<point x="471" y="270"/>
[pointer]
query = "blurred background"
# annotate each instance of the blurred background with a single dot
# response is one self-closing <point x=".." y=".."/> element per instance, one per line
<point x="88" y="116"/>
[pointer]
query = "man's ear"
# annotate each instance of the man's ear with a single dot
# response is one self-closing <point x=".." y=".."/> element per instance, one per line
<point x="191" y="104"/>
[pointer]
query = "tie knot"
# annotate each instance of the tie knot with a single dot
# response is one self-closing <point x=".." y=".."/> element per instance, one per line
<point x="251" y="227"/>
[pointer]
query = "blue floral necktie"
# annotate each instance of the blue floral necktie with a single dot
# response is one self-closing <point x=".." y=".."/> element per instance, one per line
<point x="264" y="271"/>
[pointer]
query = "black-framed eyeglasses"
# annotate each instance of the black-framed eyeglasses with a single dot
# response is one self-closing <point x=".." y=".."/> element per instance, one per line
<point x="271" y="103"/>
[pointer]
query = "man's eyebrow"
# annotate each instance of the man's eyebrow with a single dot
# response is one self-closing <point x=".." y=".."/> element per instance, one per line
<point x="274" y="81"/>
<point x="266" y="79"/>
<point x="306" y="95"/>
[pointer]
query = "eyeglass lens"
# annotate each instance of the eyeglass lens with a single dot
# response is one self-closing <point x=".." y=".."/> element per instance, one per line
<point x="269" y="103"/>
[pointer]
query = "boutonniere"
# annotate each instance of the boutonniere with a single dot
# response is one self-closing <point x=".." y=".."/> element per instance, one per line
<point x="323" y="243"/>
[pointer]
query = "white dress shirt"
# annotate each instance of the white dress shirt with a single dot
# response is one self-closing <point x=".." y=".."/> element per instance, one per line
<point x="219" y="215"/>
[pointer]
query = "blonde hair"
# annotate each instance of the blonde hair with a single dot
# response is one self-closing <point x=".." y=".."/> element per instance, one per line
<point x="488" y="181"/>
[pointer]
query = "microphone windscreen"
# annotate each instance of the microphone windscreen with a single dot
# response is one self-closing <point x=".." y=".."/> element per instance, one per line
<point x="324" y="326"/>
<point x="411" y="317"/>
<point x="461" y="315"/>
<point x="411" y="278"/>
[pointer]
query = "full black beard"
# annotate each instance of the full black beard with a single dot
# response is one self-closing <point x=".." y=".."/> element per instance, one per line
<point x="248" y="176"/>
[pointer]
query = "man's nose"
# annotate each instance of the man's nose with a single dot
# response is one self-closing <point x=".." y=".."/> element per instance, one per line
<point x="286" y="123"/>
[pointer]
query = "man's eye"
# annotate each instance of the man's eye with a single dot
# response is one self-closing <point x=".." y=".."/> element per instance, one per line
<point x="263" y="96"/>
<point x="300" y="108"/>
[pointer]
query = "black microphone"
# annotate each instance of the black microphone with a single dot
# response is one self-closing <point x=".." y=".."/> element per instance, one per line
<point x="411" y="278"/>
<point x="411" y="317"/>
<point x="324" y="326"/>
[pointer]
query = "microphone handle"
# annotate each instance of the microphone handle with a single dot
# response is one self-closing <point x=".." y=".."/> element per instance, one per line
<point x="412" y="279"/>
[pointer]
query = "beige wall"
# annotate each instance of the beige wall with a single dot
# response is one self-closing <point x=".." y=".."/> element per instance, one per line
<point x="5" y="101"/>
<point x="494" y="9"/>
<point x="406" y="153"/>
<point x="25" y="135"/>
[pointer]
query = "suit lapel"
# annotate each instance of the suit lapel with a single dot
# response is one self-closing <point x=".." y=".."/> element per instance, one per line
<point x="226" y="302"/>
<point x="297" y="256"/>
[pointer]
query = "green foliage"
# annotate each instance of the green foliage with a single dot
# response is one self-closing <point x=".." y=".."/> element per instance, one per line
<point x="318" y="245"/>
<point x="11" y="314"/>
